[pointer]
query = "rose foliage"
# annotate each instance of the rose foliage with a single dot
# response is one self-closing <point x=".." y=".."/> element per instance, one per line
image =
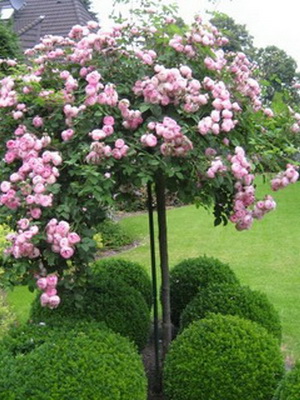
<point x="94" y="115"/>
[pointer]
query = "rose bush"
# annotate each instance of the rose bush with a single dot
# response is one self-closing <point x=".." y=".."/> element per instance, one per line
<point x="94" y="115"/>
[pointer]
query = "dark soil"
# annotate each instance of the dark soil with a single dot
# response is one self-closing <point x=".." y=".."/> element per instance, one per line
<point x="148" y="355"/>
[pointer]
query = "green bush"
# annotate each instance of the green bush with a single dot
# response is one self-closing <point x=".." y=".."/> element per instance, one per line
<point x="85" y="363"/>
<point x="223" y="357"/>
<point x="289" y="387"/>
<point x="234" y="300"/>
<point x="132" y="273"/>
<point x="120" y="306"/>
<point x="7" y="318"/>
<point x="113" y="235"/>
<point x="189" y="275"/>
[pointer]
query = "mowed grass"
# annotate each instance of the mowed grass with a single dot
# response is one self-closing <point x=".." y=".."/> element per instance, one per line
<point x="266" y="258"/>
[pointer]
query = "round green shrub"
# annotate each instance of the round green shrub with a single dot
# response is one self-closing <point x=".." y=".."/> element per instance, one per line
<point x="25" y="338"/>
<point x="289" y="387"/>
<point x="223" y="357"/>
<point x="191" y="274"/>
<point x="130" y="272"/>
<point x="120" y="306"/>
<point x="233" y="300"/>
<point x="85" y="363"/>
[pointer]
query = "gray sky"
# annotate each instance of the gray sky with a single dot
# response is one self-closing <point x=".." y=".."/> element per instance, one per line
<point x="270" y="22"/>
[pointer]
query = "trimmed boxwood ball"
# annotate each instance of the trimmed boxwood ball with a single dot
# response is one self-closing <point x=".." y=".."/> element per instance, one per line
<point x="85" y="363"/>
<point x="234" y="300"/>
<point x="223" y="357"/>
<point x="289" y="388"/>
<point x="25" y="338"/>
<point x="130" y="272"/>
<point x="120" y="306"/>
<point x="191" y="274"/>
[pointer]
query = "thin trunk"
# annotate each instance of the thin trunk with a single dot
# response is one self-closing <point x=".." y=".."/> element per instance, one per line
<point x="160" y="188"/>
<point x="157" y="385"/>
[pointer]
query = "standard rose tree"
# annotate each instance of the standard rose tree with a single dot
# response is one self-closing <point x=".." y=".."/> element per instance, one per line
<point x="99" y="113"/>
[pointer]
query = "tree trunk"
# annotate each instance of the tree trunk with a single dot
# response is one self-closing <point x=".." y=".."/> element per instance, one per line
<point x="160" y="188"/>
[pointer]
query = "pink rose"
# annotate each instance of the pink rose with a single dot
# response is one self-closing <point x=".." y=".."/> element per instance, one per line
<point x="39" y="188"/>
<point x="44" y="300"/>
<point x="66" y="252"/>
<point x="51" y="291"/>
<point x="52" y="280"/>
<point x="34" y="229"/>
<point x="42" y="283"/>
<point x="150" y="140"/>
<point x="64" y="242"/>
<point x="73" y="238"/>
<point x="63" y="228"/>
<point x="54" y="301"/>
<point x="23" y="223"/>
<point x="119" y="143"/>
<point x="108" y="129"/>
<point x="37" y="122"/>
<point x="108" y="120"/>
<point x="98" y="134"/>
<point x="5" y="186"/>
<point x="36" y="213"/>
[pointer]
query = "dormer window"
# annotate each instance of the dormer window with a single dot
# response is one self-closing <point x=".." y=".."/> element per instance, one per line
<point x="6" y="12"/>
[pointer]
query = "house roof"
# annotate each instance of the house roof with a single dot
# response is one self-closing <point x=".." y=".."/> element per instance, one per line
<point x="38" y="18"/>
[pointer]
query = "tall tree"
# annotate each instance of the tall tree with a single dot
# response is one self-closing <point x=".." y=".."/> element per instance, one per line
<point x="277" y="68"/>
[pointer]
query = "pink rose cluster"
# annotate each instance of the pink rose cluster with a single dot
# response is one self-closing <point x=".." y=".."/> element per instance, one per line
<point x="207" y="35"/>
<point x="37" y="172"/>
<point x="48" y="285"/>
<point x="174" y="142"/>
<point x="221" y="117"/>
<point x="241" y="67"/>
<point x="71" y="112"/>
<point x="218" y="62"/>
<point x="61" y="239"/>
<point x="172" y="86"/>
<point x="8" y="96"/>
<point x="21" y="241"/>
<point x="100" y="150"/>
<point x="285" y="178"/>
<point x="244" y="198"/>
<point x="132" y="118"/>
<point x="147" y="56"/>
<point x="217" y="166"/>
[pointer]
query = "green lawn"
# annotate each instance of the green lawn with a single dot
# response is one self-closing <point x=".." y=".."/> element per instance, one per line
<point x="265" y="257"/>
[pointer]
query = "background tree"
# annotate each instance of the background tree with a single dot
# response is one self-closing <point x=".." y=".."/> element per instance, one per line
<point x="89" y="6"/>
<point x="237" y="34"/>
<point x="278" y="69"/>
<point x="9" y="42"/>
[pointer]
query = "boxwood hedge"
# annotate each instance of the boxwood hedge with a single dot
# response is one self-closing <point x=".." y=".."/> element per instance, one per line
<point x="85" y="363"/>
<point x="120" y="306"/>
<point x="191" y="274"/>
<point x="223" y="357"/>
<point x="234" y="300"/>
<point x="130" y="272"/>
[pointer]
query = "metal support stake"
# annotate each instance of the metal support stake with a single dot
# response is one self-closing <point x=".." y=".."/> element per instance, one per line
<point x="154" y="283"/>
